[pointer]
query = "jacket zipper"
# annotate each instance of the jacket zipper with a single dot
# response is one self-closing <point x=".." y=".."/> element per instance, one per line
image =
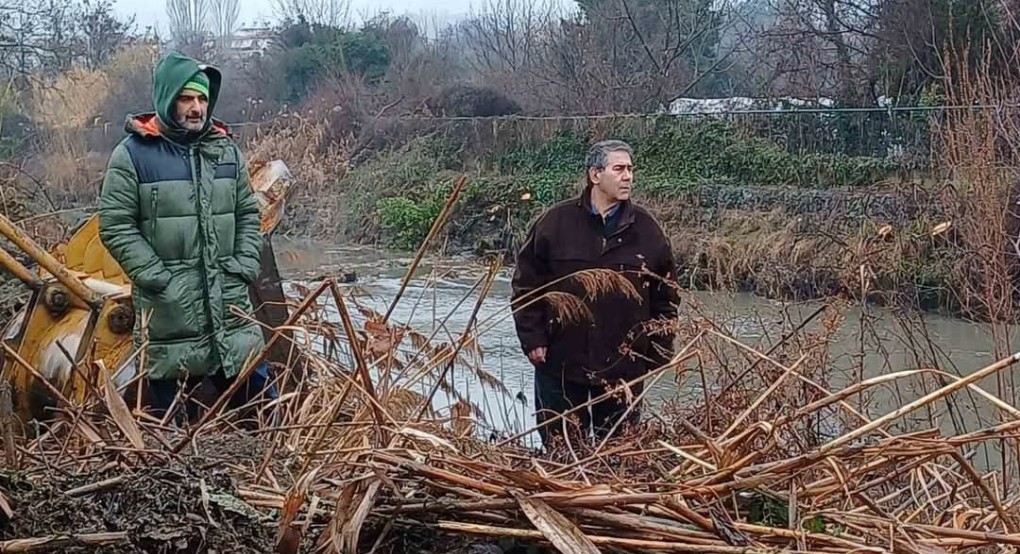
<point x="153" y="203"/>
<point x="198" y="189"/>
<point x="195" y="177"/>
<point x="196" y="181"/>
<point x="605" y="240"/>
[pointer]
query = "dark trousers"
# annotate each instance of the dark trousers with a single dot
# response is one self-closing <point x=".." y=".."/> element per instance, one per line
<point x="554" y="396"/>
<point x="164" y="391"/>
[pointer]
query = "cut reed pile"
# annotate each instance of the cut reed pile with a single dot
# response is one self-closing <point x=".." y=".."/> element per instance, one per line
<point x="359" y="455"/>
<point x="354" y="459"/>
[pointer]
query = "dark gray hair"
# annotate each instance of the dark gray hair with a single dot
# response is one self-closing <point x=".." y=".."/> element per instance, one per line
<point x="598" y="154"/>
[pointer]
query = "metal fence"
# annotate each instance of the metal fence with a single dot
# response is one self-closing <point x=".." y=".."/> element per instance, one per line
<point x="902" y="133"/>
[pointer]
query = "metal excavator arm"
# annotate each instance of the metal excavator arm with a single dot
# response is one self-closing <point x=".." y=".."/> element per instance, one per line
<point x="79" y="319"/>
<point x="74" y="323"/>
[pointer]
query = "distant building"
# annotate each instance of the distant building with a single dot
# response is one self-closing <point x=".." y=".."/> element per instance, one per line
<point x="246" y="42"/>
<point x="741" y="103"/>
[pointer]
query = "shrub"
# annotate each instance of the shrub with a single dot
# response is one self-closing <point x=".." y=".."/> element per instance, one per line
<point x="470" y="101"/>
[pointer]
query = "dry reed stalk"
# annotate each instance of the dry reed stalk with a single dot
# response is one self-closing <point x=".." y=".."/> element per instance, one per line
<point x="359" y="357"/>
<point x="558" y="530"/>
<point x="608" y="394"/>
<point x="831" y="398"/>
<point x="628" y="521"/>
<point x="829" y="447"/>
<point x="486" y="287"/>
<point x="250" y="367"/>
<point x="758" y="401"/>
<point x="682" y="355"/>
<point x="979" y="537"/>
<point x="438" y="224"/>
<point x="645" y="545"/>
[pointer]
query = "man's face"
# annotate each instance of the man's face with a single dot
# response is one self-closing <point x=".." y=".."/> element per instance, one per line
<point x="616" y="180"/>
<point x="191" y="110"/>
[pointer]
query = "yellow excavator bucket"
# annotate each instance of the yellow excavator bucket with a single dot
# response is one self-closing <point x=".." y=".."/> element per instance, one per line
<point x="85" y="253"/>
<point x="79" y="318"/>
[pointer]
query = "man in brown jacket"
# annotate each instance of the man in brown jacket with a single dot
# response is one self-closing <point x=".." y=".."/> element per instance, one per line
<point x="575" y="362"/>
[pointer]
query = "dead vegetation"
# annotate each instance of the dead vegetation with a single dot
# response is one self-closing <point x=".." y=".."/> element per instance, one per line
<point x="355" y="457"/>
<point x="779" y="255"/>
<point x="363" y="452"/>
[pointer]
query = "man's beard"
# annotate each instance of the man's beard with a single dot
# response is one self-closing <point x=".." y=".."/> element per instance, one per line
<point x="186" y="124"/>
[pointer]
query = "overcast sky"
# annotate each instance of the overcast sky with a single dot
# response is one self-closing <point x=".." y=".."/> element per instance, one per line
<point x="147" y="12"/>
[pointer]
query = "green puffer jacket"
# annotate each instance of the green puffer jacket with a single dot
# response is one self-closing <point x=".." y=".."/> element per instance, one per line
<point x="177" y="212"/>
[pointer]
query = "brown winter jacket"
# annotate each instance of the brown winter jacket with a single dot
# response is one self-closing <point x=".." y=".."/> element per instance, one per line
<point x="568" y="238"/>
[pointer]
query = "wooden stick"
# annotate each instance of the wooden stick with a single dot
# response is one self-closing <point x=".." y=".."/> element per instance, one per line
<point x="58" y="541"/>
<point x="96" y="487"/>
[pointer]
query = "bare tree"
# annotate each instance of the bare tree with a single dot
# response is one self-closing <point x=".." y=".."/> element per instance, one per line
<point x="505" y="34"/>
<point x="633" y="55"/>
<point x="823" y="47"/>
<point x="855" y="50"/>
<point x="102" y="33"/>
<point x="38" y="36"/>
<point x="328" y="13"/>
<point x="507" y="43"/>
<point x="225" y="14"/>
<point x="188" y="22"/>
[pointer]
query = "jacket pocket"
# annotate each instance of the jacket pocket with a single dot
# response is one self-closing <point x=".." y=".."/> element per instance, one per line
<point x="235" y="289"/>
<point x="170" y="313"/>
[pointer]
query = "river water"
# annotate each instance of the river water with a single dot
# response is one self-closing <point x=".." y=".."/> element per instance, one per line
<point x="868" y="342"/>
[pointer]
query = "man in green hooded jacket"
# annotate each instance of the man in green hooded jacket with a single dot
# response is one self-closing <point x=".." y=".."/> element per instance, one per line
<point x="177" y="213"/>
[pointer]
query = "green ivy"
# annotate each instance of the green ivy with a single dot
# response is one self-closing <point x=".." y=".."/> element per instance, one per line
<point x="677" y="155"/>
<point x="408" y="219"/>
<point x="673" y="156"/>
<point x="551" y="169"/>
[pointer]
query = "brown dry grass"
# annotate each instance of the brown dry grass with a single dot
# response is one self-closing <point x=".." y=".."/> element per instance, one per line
<point x="306" y="143"/>
<point x="778" y="255"/>
<point x="66" y="108"/>
<point x="599" y="282"/>
<point x="760" y="251"/>
<point x="979" y="153"/>
<point x="71" y="100"/>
